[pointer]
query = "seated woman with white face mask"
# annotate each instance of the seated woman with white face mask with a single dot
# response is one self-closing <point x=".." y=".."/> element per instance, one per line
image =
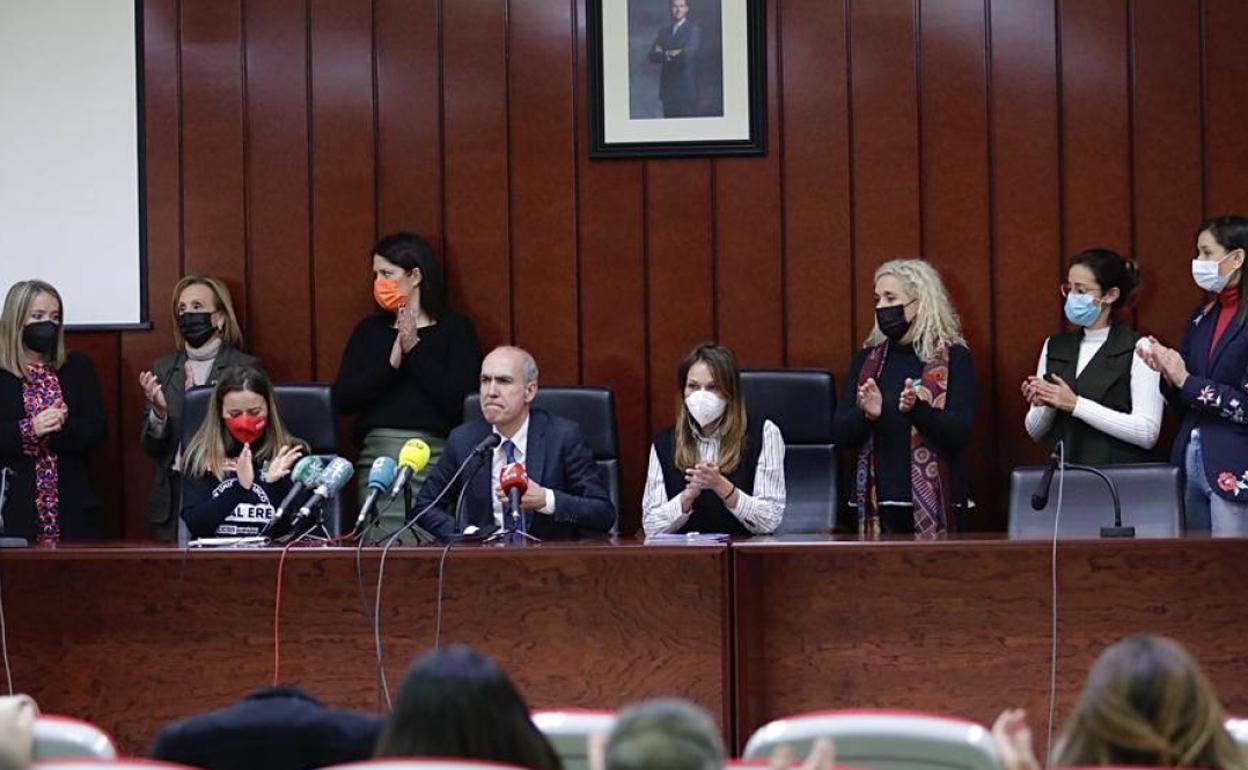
<point x="717" y="469"/>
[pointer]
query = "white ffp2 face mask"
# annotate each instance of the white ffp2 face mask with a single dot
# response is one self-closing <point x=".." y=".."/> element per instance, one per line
<point x="705" y="407"/>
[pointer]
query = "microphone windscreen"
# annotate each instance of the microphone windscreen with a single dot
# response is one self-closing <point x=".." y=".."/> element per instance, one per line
<point x="513" y="477"/>
<point x="381" y="474"/>
<point x="307" y="470"/>
<point x="414" y="455"/>
<point x="336" y="474"/>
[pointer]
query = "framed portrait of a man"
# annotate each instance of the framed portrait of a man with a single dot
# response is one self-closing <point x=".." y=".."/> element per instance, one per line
<point x="676" y="78"/>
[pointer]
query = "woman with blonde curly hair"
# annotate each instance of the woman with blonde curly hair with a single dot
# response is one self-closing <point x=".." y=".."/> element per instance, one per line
<point x="1146" y="703"/>
<point x="908" y="405"/>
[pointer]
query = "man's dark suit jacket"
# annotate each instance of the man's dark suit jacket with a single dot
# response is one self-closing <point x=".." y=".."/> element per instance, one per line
<point x="557" y="457"/>
<point x="677" y="85"/>
<point x="280" y="728"/>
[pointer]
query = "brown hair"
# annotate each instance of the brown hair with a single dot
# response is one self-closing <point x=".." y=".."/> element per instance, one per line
<point x="206" y="452"/>
<point x="732" y="426"/>
<point x="231" y="333"/>
<point x="1146" y="702"/>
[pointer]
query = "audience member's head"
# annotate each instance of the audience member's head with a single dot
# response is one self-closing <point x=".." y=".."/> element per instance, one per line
<point x="1146" y="702"/>
<point x="664" y="734"/>
<point x="456" y="702"/>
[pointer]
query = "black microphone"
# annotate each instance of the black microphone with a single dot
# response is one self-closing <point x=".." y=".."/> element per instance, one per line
<point x="487" y="444"/>
<point x="1041" y="498"/>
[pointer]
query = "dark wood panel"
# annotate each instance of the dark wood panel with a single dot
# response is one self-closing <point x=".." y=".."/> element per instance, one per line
<point x="956" y="200"/>
<point x="278" y="214"/>
<point x="163" y="190"/>
<point x="1026" y="215"/>
<point x="1226" y="73"/>
<point x="749" y="252"/>
<point x="409" y="118"/>
<point x="474" y="45"/>
<point x="543" y="208"/>
<point x="884" y="104"/>
<point x="1096" y="154"/>
<point x="816" y="171"/>
<point x="925" y="626"/>
<point x="104" y="350"/>
<point x="1167" y="170"/>
<point x="679" y="265"/>
<point x="343" y="211"/>
<point x="214" y="223"/>
<point x="200" y="626"/>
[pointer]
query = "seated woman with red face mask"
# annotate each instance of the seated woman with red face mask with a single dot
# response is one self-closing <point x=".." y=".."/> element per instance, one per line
<point x="236" y="469"/>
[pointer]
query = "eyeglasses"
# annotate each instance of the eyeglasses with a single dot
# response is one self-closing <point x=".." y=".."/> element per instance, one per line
<point x="1068" y="288"/>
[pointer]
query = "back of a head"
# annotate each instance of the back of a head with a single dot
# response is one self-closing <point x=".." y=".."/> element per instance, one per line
<point x="456" y="702"/>
<point x="664" y="734"/>
<point x="1146" y="702"/>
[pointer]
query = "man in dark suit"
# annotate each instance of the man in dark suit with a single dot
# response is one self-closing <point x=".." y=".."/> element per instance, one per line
<point x="676" y="47"/>
<point x="565" y="496"/>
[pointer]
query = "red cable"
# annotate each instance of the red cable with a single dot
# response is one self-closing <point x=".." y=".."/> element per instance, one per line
<point x="277" y="601"/>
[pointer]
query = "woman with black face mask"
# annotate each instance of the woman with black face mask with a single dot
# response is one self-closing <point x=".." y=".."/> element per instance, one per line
<point x="907" y="408"/>
<point x="50" y="420"/>
<point x="209" y="342"/>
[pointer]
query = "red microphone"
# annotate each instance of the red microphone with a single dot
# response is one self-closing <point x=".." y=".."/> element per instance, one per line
<point x="514" y="483"/>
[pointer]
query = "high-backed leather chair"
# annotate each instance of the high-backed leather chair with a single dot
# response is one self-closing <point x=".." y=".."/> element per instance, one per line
<point x="1150" y="493"/>
<point x="590" y="407"/>
<point x="308" y="412"/>
<point x="801" y="403"/>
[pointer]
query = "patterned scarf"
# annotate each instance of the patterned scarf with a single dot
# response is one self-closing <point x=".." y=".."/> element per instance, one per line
<point x="42" y="390"/>
<point x="929" y="478"/>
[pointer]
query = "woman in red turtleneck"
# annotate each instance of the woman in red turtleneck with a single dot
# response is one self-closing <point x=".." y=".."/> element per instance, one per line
<point x="1207" y="381"/>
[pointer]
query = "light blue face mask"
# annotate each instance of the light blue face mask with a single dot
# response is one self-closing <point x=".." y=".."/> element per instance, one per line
<point x="1082" y="309"/>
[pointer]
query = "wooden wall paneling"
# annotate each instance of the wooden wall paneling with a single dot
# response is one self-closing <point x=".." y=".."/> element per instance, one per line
<point x="104" y="350"/>
<point x="543" y="133"/>
<point x="214" y="223"/>
<point x="1026" y="213"/>
<point x="474" y="62"/>
<point x="278" y="214"/>
<point x="343" y="210"/>
<point x="163" y="189"/>
<point x="611" y="237"/>
<point x="1167" y="170"/>
<point x="884" y="104"/>
<point x="1096" y="147"/>
<point x="814" y="148"/>
<point x="409" y="118"/>
<point x="955" y="198"/>
<point x="1226" y="91"/>
<point x="749" y="253"/>
<point x="679" y="233"/>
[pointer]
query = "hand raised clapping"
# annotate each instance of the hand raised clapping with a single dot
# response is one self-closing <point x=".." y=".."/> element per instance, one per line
<point x="870" y="400"/>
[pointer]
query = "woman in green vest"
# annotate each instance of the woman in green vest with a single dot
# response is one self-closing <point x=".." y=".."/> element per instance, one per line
<point x="1090" y="390"/>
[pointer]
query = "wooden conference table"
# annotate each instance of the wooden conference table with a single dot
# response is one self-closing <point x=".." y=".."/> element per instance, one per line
<point x="131" y="636"/>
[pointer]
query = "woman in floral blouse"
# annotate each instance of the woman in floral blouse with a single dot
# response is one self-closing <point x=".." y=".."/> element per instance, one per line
<point x="1207" y="380"/>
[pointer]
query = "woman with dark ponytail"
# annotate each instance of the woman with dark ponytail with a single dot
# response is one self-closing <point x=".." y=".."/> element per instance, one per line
<point x="1090" y="391"/>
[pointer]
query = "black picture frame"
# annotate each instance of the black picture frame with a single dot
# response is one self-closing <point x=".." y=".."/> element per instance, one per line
<point x="623" y="123"/>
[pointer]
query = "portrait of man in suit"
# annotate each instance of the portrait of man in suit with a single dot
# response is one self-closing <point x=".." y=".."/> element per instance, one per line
<point x="676" y="58"/>
<point x="676" y="48"/>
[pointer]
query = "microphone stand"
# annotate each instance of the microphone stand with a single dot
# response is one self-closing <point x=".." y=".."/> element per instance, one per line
<point x="1117" y="530"/>
<point x="7" y="542"/>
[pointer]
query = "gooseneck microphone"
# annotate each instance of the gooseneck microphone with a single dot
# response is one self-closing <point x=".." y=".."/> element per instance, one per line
<point x="413" y="458"/>
<point x="1041" y="497"/>
<point x="304" y="476"/>
<point x="331" y="480"/>
<point x="380" y="478"/>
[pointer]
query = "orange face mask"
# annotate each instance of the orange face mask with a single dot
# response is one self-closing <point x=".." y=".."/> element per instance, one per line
<point x="388" y="294"/>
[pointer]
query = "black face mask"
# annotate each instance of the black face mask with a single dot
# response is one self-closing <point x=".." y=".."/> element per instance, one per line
<point x="41" y="336"/>
<point x="196" y="328"/>
<point x="892" y="321"/>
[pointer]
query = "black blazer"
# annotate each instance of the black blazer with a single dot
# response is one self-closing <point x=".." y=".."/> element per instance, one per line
<point x="162" y="503"/>
<point x="79" y="508"/>
<point x="1215" y="398"/>
<point x="557" y="457"/>
<point x="277" y="729"/>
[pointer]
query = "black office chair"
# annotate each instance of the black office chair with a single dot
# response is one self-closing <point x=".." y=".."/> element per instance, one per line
<point x="801" y="403"/>
<point x="308" y="412"/>
<point x="1151" y="497"/>
<point x="593" y="408"/>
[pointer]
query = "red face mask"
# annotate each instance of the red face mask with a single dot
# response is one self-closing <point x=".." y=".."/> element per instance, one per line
<point x="247" y="428"/>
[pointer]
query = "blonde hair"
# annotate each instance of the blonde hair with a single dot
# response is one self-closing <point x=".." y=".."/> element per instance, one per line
<point x="13" y="319"/>
<point x="231" y="332"/>
<point x="1146" y="702"/>
<point x="732" y="425"/>
<point x="206" y="452"/>
<point x="936" y="324"/>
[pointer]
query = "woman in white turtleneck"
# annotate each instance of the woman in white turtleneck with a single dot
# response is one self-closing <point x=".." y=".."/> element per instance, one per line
<point x="209" y="341"/>
<point x="1090" y="390"/>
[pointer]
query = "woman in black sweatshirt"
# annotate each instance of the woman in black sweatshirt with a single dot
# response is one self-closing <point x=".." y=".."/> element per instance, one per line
<point x="408" y="366"/>
<point x="908" y="405"/>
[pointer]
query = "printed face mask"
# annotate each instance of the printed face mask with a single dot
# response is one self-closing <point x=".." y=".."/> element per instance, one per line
<point x="705" y="407"/>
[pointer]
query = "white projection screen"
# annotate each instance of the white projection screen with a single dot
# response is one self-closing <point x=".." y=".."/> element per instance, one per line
<point x="70" y="156"/>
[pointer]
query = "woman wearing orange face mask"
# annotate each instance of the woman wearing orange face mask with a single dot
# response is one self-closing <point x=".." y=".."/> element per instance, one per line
<point x="407" y="366"/>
